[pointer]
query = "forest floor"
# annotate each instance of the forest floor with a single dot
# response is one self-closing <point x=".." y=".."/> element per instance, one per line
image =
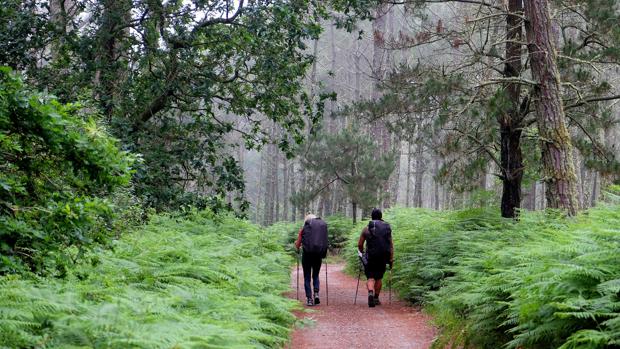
<point x="341" y="324"/>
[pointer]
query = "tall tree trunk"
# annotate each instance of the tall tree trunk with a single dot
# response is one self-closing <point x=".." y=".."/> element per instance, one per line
<point x="557" y="161"/>
<point x="354" y="211"/>
<point x="276" y="185"/>
<point x="583" y="199"/>
<point x="409" y="156"/>
<point x="435" y="183"/>
<point x="303" y="185"/>
<point x="483" y="186"/>
<point x="293" y="190"/>
<point x="379" y="130"/>
<point x="543" y="200"/>
<point x="272" y="178"/>
<point x="285" y="183"/>
<point x="394" y="179"/>
<point x="61" y="13"/>
<point x="112" y="67"/>
<point x="332" y="80"/>
<point x="260" y="190"/>
<point x="329" y="209"/>
<point x="267" y="203"/>
<point x="596" y="188"/>
<point x="420" y="168"/>
<point x="511" y="157"/>
<point x="532" y="199"/>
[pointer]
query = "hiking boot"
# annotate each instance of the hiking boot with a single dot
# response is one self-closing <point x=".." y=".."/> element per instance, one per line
<point x="309" y="302"/>
<point x="377" y="302"/>
<point x="371" y="301"/>
<point x="317" y="301"/>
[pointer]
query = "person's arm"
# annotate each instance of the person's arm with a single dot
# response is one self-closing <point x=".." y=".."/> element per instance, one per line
<point x="298" y="241"/>
<point x="360" y="242"/>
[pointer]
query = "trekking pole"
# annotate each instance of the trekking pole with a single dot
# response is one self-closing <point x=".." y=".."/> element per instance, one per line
<point x="297" y="275"/>
<point x="359" y="274"/>
<point x="326" y="286"/>
<point x="390" y="286"/>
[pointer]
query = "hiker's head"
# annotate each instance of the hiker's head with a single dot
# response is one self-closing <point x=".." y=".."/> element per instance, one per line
<point x="309" y="216"/>
<point x="376" y="214"/>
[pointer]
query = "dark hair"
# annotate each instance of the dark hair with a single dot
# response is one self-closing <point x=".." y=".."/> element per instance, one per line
<point x="376" y="214"/>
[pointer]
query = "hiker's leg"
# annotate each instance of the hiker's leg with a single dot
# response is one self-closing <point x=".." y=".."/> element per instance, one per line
<point x="379" y="272"/>
<point x="371" y="284"/>
<point x="316" y="268"/>
<point x="378" y="284"/>
<point x="307" y="266"/>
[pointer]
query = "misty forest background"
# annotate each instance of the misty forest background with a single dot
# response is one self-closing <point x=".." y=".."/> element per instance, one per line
<point x="157" y="158"/>
<point x="443" y="142"/>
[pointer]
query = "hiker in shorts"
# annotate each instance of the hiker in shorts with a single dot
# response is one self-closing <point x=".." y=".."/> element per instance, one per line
<point x="313" y="238"/>
<point x="379" y="252"/>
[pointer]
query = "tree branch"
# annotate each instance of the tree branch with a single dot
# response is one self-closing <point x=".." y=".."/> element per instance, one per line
<point x="592" y="99"/>
<point x="476" y="2"/>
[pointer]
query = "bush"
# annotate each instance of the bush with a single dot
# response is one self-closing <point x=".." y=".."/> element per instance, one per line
<point x="543" y="282"/>
<point x="55" y="169"/>
<point x="201" y="281"/>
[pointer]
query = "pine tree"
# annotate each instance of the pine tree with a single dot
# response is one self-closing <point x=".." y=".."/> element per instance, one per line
<point x="351" y="158"/>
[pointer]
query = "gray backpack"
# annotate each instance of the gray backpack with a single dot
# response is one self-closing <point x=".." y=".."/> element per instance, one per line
<point x="314" y="238"/>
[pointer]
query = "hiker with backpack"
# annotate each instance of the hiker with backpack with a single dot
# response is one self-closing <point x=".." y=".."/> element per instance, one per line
<point x="313" y="238"/>
<point x="379" y="252"/>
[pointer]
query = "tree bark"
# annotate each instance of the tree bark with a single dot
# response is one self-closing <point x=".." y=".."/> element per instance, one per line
<point x="260" y="190"/>
<point x="276" y="184"/>
<point x="379" y="130"/>
<point x="483" y="186"/>
<point x="112" y="67"/>
<point x="293" y="190"/>
<point x="419" y="174"/>
<point x="533" y="197"/>
<point x="436" y="184"/>
<point x="511" y="156"/>
<point x="583" y="198"/>
<point x="285" y="184"/>
<point x="394" y="180"/>
<point x="557" y="161"/>
<point x="267" y="206"/>
<point x="409" y="156"/>
<point x="595" y="188"/>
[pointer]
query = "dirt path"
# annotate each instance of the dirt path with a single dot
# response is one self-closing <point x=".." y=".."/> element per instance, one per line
<point x="344" y="325"/>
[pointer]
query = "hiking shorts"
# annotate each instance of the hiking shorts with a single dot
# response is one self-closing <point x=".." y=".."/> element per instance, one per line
<point x="375" y="269"/>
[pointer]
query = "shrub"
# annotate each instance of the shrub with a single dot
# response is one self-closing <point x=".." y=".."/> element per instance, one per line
<point x="201" y="281"/>
<point x="55" y="169"/>
<point x="542" y="282"/>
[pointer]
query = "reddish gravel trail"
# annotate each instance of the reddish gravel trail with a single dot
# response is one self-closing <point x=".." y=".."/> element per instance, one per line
<point x="343" y="325"/>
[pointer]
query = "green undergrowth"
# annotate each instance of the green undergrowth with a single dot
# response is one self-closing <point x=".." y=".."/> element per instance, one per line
<point x="198" y="281"/>
<point x="542" y="282"/>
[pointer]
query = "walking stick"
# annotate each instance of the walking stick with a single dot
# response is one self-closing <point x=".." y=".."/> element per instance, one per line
<point x="359" y="274"/>
<point x="297" y="275"/>
<point x="326" y="285"/>
<point x="390" y="286"/>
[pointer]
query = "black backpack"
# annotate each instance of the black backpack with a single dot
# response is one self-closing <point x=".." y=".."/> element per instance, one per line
<point x="379" y="240"/>
<point x="314" y="237"/>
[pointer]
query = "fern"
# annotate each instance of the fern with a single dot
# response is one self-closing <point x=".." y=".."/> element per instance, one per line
<point x="542" y="282"/>
<point x="191" y="281"/>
